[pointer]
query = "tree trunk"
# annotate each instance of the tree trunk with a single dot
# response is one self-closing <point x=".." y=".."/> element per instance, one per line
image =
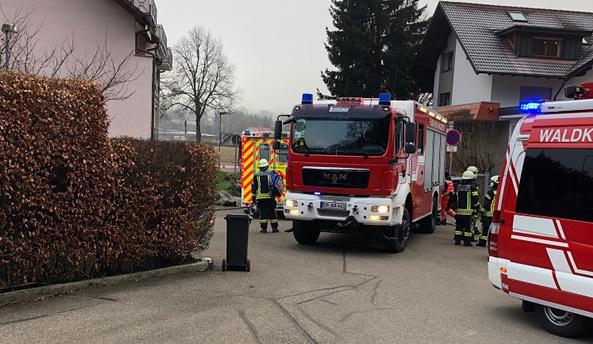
<point x="198" y="130"/>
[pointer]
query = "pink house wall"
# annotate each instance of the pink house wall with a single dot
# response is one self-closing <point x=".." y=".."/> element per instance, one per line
<point x="92" y="23"/>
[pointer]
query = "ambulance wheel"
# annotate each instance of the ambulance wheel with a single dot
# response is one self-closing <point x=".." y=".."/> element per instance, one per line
<point x="305" y="233"/>
<point x="429" y="223"/>
<point x="562" y="323"/>
<point x="397" y="237"/>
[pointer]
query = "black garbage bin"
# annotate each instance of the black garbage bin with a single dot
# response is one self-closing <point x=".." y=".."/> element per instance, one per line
<point x="237" y="240"/>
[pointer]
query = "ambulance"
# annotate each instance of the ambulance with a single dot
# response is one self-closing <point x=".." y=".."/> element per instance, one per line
<point x="541" y="238"/>
<point x="257" y="144"/>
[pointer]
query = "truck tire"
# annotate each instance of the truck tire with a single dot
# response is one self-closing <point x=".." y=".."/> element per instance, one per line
<point x="305" y="233"/>
<point x="562" y="323"/>
<point x="429" y="223"/>
<point x="400" y="234"/>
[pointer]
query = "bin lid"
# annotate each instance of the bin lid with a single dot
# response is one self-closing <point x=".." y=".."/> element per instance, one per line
<point x="237" y="217"/>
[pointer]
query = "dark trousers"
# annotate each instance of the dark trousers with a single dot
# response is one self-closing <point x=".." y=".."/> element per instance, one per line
<point x="463" y="230"/>
<point x="486" y="222"/>
<point x="267" y="212"/>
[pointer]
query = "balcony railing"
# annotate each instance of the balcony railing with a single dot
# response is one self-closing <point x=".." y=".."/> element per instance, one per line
<point x="163" y="51"/>
<point x="143" y="10"/>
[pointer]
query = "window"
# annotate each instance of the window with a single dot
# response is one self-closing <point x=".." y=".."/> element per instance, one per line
<point x="399" y="137"/>
<point x="420" y="139"/>
<point x="447" y="62"/>
<point x="283" y="154"/>
<point x="531" y="93"/>
<point x="546" y="47"/>
<point x="264" y="151"/>
<point x="518" y="17"/>
<point x="557" y="183"/>
<point x="445" y="99"/>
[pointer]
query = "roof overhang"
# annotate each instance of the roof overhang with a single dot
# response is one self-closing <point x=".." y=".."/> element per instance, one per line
<point x="483" y="111"/>
<point x="543" y="29"/>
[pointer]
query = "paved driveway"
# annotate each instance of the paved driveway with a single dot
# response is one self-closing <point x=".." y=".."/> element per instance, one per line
<point x="344" y="290"/>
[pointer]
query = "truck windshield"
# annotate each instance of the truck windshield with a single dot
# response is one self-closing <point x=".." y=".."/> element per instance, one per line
<point x="341" y="137"/>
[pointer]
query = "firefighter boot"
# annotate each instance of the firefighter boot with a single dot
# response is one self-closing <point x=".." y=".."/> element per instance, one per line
<point x="458" y="236"/>
<point x="467" y="238"/>
<point x="274" y="226"/>
<point x="264" y="226"/>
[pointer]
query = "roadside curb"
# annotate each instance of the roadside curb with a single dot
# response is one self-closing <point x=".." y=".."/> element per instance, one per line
<point x="66" y="288"/>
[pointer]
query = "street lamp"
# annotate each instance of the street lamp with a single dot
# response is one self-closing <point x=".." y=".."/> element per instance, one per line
<point x="8" y="30"/>
<point x="220" y="114"/>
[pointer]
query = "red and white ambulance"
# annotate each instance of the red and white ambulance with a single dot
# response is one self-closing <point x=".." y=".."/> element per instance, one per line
<point x="541" y="239"/>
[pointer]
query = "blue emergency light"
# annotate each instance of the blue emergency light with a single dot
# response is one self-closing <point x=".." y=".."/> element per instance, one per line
<point x="531" y="106"/>
<point x="307" y="98"/>
<point x="385" y="99"/>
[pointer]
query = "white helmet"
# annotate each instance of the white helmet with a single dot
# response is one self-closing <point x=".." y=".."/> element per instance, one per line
<point x="263" y="163"/>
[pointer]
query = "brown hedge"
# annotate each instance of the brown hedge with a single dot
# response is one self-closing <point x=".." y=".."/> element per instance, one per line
<point x="75" y="204"/>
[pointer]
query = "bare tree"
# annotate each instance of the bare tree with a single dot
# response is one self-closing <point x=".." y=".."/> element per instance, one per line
<point x="202" y="79"/>
<point x="479" y="146"/>
<point x="65" y="60"/>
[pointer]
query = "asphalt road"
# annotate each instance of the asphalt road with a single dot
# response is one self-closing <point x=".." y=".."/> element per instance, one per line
<point x="344" y="290"/>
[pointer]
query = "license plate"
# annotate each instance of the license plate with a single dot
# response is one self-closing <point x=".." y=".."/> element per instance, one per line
<point x="334" y="205"/>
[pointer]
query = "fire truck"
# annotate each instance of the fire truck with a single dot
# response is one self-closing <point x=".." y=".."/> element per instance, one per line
<point x="355" y="164"/>
<point x="541" y="238"/>
<point x="257" y="144"/>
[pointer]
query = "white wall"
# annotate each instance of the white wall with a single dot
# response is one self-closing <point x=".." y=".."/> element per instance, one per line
<point x="469" y="87"/>
<point x="507" y="89"/>
<point x="91" y="23"/>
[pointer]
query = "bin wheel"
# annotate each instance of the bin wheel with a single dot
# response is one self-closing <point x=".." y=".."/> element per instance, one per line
<point x="224" y="265"/>
<point x="248" y="267"/>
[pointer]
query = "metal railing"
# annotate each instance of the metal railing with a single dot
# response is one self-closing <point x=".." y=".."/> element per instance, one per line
<point x="146" y="7"/>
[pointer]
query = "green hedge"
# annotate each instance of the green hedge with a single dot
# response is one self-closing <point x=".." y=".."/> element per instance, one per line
<point x="75" y="204"/>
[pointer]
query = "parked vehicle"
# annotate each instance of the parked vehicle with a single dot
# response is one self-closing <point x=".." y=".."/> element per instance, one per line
<point x="373" y="165"/>
<point x="541" y="238"/>
<point x="257" y="144"/>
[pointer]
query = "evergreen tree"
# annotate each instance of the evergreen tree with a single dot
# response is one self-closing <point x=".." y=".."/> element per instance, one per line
<point x="373" y="46"/>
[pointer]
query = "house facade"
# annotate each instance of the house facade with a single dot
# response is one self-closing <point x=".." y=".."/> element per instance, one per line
<point x="124" y="30"/>
<point x="481" y="61"/>
<point x="474" y="53"/>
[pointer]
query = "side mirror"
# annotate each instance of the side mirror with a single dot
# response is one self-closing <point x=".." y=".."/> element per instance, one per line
<point x="410" y="148"/>
<point x="278" y="130"/>
<point x="411" y="133"/>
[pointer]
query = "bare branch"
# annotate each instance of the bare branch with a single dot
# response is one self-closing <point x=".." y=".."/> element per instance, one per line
<point x="63" y="60"/>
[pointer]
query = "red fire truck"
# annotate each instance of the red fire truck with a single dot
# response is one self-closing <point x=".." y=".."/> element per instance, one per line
<point x="373" y="165"/>
<point x="541" y="239"/>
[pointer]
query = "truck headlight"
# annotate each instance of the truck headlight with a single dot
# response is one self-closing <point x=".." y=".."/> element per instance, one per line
<point x="290" y="203"/>
<point x="382" y="209"/>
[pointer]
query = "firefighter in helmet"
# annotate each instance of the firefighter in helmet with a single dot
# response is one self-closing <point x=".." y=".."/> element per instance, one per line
<point x="466" y="198"/>
<point x="488" y="210"/>
<point x="265" y="190"/>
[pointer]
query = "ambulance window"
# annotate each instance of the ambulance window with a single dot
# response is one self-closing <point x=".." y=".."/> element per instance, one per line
<point x="421" y="139"/>
<point x="264" y="151"/>
<point x="283" y="154"/>
<point x="557" y="183"/>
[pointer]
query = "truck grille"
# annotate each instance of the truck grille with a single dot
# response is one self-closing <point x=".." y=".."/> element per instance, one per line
<point x="333" y="213"/>
<point x="351" y="179"/>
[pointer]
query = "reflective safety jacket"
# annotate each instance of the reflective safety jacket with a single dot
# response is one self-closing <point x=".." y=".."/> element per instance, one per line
<point x="467" y="199"/>
<point x="489" y="203"/>
<point x="264" y="185"/>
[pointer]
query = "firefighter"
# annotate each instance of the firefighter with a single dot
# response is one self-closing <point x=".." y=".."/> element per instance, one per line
<point x="467" y="202"/>
<point x="476" y="215"/>
<point x="488" y="210"/>
<point x="448" y="189"/>
<point x="265" y="190"/>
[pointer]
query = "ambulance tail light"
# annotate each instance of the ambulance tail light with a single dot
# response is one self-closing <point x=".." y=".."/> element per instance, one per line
<point x="493" y="235"/>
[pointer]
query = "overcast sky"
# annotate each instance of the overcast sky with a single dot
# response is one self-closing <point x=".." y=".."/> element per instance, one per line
<point x="277" y="45"/>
